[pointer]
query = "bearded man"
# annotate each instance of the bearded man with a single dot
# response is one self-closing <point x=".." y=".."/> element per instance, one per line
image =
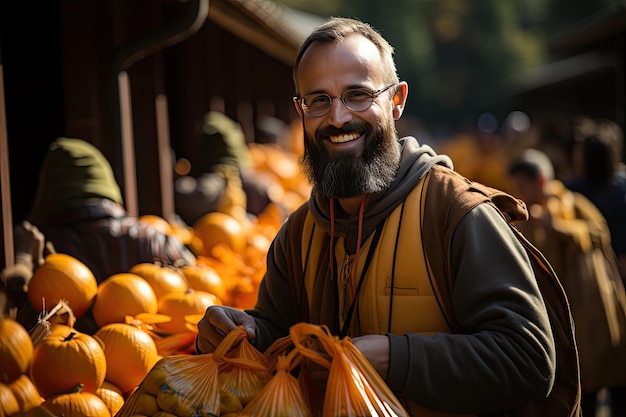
<point x="445" y="307"/>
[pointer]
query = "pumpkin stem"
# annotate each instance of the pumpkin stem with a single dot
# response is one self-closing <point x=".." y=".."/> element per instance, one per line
<point x="61" y="313"/>
<point x="78" y="387"/>
<point x="50" y="248"/>
<point x="70" y="337"/>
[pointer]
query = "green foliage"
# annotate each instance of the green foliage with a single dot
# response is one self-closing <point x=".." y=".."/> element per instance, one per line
<point x="455" y="54"/>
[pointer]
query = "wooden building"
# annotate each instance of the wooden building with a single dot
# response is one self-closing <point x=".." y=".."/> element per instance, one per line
<point x="134" y="78"/>
<point x="585" y="76"/>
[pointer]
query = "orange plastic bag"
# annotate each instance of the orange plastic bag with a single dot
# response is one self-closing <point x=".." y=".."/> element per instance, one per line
<point x="313" y="395"/>
<point x="183" y="385"/>
<point x="281" y="396"/>
<point x="242" y="368"/>
<point x="279" y="348"/>
<point x="191" y="385"/>
<point x="354" y="388"/>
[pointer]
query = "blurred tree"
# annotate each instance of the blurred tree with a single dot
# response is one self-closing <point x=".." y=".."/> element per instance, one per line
<point x="456" y="53"/>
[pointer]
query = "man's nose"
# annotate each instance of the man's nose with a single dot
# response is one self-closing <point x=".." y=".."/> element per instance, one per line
<point x="339" y="114"/>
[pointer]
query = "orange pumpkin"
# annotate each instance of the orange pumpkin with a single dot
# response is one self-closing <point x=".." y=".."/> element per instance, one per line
<point x="16" y="350"/>
<point x="60" y="363"/>
<point x="130" y="353"/>
<point x="77" y="403"/>
<point x="62" y="277"/>
<point x="122" y="295"/>
<point x="157" y="222"/>
<point x="177" y="306"/>
<point x="273" y="216"/>
<point x="162" y="279"/>
<point x="60" y="330"/>
<point x="216" y="228"/>
<point x="39" y="411"/>
<point x="243" y="293"/>
<point x="205" y="278"/>
<point x="26" y="393"/>
<point x="8" y="403"/>
<point x="183" y="232"/>
<point x="112" y="396"/>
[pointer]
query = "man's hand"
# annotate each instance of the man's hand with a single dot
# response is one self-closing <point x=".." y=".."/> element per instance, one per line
<point x="376" y="349"/>
<point x="217" y="322"/>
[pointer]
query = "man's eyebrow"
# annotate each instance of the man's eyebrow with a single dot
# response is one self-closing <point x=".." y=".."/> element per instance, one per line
<point x="349" y="87"/>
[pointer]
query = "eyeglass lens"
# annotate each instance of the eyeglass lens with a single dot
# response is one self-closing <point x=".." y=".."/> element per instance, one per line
<point x="359" y="99"/>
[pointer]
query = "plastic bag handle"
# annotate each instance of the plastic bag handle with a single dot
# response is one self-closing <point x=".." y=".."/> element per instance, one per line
<point x="288" y="362"/>
<point x="306" y="331"/>
<point x="231" y="339"/>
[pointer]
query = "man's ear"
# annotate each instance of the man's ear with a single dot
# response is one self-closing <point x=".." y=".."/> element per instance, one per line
<point x="399" y="99"/>
<point x="298" y="109"/>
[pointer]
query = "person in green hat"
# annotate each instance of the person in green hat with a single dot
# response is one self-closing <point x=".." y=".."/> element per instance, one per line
<point x="222" y="175"/>
<point x="78" y="207"/>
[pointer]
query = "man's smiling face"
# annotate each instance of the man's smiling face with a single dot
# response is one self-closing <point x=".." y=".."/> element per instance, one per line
<point x="348" y="153"/>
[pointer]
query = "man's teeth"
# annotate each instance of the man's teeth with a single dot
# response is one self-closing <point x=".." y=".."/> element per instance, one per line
<point x="344" y="138"/>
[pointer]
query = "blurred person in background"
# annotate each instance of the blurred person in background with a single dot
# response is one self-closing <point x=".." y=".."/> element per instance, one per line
<point x="480" y="154"/>
<point x="221" y="175"/>
<point x="78" y="207"/>
<point x="574" y="236"/>
<point x="600" y="175"/>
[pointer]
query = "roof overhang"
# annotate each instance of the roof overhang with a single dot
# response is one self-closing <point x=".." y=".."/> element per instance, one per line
<point x="270" y="26"/>
<point x="560" y="71"/>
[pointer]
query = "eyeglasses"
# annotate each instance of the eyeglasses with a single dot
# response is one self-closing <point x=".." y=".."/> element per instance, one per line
<point x="355" y="99"/>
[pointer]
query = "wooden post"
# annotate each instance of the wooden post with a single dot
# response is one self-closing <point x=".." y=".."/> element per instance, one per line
<point x="5" y="180"/>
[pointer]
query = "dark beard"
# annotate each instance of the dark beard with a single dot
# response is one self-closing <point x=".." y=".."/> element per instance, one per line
<point x="348" y="175"/>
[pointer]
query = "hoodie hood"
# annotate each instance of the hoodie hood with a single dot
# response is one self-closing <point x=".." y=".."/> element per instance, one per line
<point x="223" y="143"/>
<point x="73" y="172"/>
<point x="416" y="160"/>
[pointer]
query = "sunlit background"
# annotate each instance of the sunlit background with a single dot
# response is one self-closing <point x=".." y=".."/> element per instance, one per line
<point x="463" y="58"/>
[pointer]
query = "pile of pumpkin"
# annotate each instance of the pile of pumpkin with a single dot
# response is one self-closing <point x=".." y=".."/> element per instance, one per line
<point x="68" y="372"/>
<point x="62" y="375"/>
<point x="143" y="315"/>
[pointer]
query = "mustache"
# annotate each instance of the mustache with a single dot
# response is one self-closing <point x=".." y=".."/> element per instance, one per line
<point x="327" y="131"/>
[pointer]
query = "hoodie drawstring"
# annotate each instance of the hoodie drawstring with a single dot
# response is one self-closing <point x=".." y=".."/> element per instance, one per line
<point x="332" y="239"/>
<point x="355" y="262"/>
<point x="358" y="248"/>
